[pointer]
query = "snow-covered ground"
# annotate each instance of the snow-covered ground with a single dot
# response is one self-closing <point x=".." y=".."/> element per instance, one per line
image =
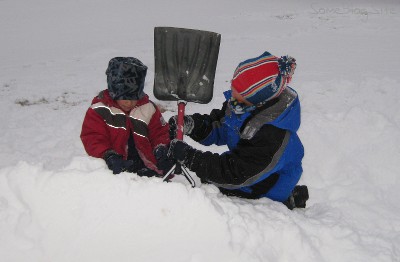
<point x="58" y="204"/>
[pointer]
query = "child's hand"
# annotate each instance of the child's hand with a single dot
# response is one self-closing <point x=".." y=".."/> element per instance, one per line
<point x="117" y="164"/>
<point x="188" y="126"/>
<point x="164" y="163"/>
<point x="178" y="150"/>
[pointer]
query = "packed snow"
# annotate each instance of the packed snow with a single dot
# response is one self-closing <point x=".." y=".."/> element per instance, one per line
<point x="58" y="204"/>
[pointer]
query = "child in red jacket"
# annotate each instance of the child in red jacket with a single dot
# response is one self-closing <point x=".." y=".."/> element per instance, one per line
<point x="123" y="126"/>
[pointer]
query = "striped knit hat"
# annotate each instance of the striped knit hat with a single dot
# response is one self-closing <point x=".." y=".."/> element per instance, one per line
<point x="263" y="78"/>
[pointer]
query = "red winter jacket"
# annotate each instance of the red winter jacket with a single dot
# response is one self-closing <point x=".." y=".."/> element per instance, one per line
<point x="107" y="127"/>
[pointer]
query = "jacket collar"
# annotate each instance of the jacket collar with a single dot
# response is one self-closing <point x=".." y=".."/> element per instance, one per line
<point x="106" y="99"/>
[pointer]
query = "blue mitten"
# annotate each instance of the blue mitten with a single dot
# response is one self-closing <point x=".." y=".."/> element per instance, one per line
<point x="117" y="164"/>
<point x="164" y="163"/>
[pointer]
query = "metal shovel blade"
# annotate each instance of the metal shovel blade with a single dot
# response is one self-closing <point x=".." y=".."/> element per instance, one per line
<point x="185" y="64"/>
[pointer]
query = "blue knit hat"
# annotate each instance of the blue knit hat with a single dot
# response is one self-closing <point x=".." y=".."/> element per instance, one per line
<point x="125" y="78"/>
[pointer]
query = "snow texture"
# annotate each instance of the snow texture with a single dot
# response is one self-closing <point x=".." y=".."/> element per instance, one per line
<point x="58" y="204"/>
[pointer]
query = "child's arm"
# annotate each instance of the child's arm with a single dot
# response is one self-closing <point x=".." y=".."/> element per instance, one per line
<point x="242" y="166"/>
<point x="158" y="130"/>
<point x="94" y="134"/>
<point x="208" y="129"/>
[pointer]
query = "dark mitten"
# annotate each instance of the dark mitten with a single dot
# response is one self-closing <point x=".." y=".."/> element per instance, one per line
<point x="147" y="172"/>
<point x="188" y="125"/>
<point x="202" y="126"/>
<point x="164" y="163"/>
<point x="300" y="195"/>
<point x="117" y="164"/>
<point x="183" y="153"/>
<point x="297" y="198"/>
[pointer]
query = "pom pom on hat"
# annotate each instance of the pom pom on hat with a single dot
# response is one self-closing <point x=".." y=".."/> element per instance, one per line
<point x="287" y="65"/>
<point x="263" y="78"/>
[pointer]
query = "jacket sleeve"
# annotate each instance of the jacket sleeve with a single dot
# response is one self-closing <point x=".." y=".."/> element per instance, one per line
<point x="158" y="130"/>
<point x="208" y="129"/>
<point x="94" y="134"/>
<point x="247" y="160"/>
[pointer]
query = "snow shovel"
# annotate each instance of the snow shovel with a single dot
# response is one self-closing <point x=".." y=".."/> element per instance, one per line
<point x="185" y="64"/>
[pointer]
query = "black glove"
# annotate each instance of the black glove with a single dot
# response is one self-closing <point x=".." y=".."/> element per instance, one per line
<point x="147" y="172"/>
<point x="183" y="153"/>
<point x="164" y="163"/>
<point x="188" y="125"/>
<point x="117" y="164"/>
<point x="297" y="198"/>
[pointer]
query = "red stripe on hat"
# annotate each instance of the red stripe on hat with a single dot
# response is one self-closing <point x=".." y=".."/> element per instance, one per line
<point x="254" y="74"/>
<point x="253" y="64"/>
<point x="258" y="86"/>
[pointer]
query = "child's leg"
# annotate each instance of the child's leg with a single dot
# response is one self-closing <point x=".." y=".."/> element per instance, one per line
<point x="288" y="179"/>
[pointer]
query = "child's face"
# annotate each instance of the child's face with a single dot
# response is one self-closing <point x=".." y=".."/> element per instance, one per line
<point x="239" y="97"/>
<point x="127" y="105"/>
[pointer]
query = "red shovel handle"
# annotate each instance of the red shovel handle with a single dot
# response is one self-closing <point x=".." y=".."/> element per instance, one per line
<point x="181" y="114"/>
<point x="178" y="169"/>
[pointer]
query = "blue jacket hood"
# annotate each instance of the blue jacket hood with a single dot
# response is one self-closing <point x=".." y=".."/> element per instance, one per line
<point x="284" y="114"/>
<point x="289" y="118"/>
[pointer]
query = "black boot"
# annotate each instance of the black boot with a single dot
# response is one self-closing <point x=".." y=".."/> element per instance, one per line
<point x="300" y="194"/>
<point x="297" y="198"/>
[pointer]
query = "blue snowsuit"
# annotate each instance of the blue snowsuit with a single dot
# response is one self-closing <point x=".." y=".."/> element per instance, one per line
<point x="265" y="153"/>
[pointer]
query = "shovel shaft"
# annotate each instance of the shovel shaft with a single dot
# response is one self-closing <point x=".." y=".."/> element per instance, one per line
<point x="181" y="115"/>
<point x="178" y="169"/>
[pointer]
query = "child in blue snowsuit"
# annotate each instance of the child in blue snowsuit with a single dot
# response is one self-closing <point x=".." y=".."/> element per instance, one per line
<point x="258" y="122"/>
